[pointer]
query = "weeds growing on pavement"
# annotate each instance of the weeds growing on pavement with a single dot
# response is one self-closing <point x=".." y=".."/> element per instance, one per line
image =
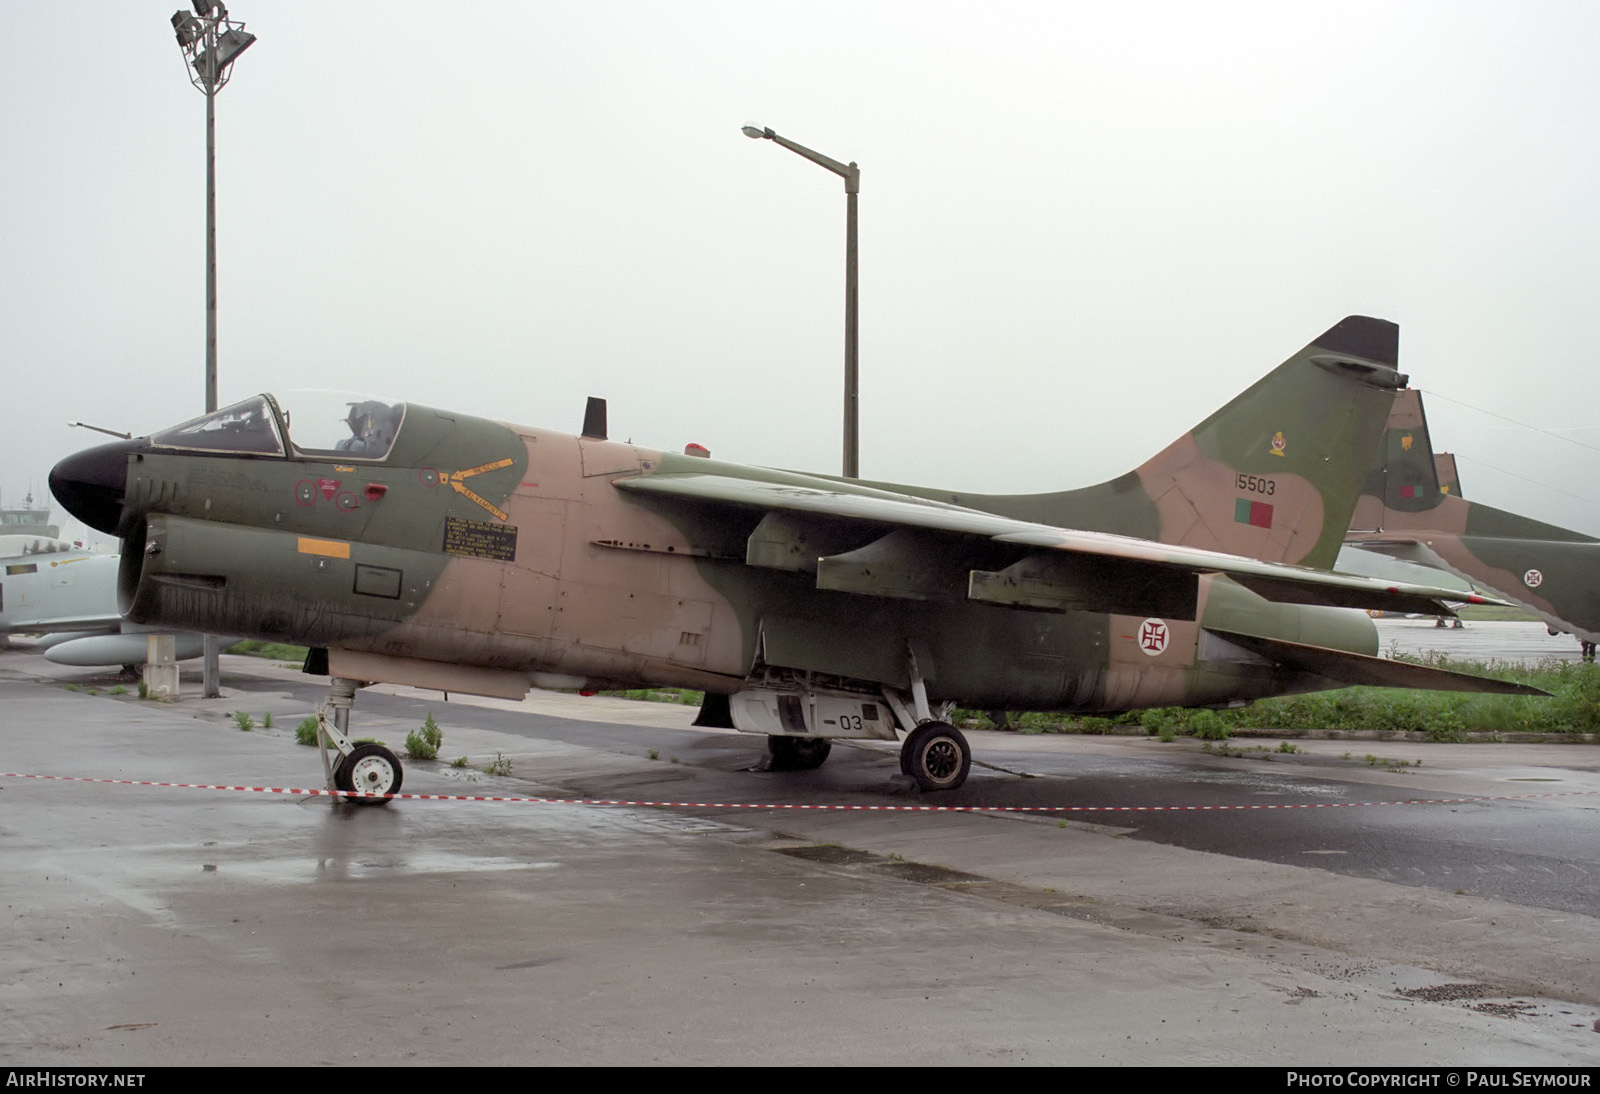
<point x="1573" y="706"/>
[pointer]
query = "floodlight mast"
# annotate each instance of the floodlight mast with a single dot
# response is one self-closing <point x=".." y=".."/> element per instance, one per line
<point x="852" y="187"/>
<point x="210" y="43"/>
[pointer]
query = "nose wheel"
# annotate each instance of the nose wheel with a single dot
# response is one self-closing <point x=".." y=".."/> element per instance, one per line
<point x="369" y="769"/>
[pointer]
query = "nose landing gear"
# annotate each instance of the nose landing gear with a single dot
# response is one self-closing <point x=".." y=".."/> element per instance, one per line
<point x="367" y="773"/>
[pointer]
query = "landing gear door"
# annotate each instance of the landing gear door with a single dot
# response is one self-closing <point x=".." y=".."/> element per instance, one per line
<point x="810" y="714"/>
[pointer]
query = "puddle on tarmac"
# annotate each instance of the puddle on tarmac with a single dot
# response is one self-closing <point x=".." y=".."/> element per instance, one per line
<point x="1266" y="782"/>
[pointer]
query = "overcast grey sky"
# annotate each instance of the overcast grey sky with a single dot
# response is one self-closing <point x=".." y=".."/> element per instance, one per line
<point x="1083" y="225"/>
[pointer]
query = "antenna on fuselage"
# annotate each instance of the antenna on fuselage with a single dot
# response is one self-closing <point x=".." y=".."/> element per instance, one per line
<point x="594" y="419"/>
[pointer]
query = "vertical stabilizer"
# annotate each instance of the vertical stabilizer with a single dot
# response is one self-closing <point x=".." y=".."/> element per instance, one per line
<point x="1405" y="476"/>
<point x="1274" y="474"/>
<point x="1411" y="508"/>
<point x="1444" y="468"/>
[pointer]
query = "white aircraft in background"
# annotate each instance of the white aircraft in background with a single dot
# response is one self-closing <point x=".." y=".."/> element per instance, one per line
<point x="55" y="588"/>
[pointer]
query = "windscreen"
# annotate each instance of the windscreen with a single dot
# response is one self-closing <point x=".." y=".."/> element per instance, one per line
<point x="247" y="427"/>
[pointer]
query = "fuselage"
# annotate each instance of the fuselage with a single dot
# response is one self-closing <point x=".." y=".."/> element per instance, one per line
<point x="475" y="555"/>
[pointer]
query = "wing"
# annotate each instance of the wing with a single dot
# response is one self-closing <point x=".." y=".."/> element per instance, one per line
<point x="43" y="622"/>
<point x="1060" y="569"/>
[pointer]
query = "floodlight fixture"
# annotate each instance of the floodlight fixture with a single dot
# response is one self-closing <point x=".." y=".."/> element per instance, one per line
<point x="210" y="43"/>
<point x="187" y="28"/>
<point x="230" y="43"/>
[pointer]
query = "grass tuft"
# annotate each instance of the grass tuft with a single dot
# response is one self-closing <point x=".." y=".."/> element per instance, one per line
<point x="423" y="743"/>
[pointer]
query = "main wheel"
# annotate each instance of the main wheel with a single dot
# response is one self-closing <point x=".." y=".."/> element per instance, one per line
<point x="797" y="753"/>
<point x="369" y="769"/>
<point x="937" y="756"/>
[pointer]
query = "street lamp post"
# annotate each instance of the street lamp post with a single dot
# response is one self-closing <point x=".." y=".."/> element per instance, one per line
<point x="210" y="43"/>
<point x="852" y="187"/>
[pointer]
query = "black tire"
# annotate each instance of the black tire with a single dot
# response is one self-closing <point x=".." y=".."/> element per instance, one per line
<point x="797" y="753"/>
<point x="369" y="769"/>
<point x="937" y="756"/>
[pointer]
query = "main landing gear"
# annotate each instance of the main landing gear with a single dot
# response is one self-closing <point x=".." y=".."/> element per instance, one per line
<point x="366" y="769"/>
<point x="936" y="755"/>
<point x="802" y="712"/>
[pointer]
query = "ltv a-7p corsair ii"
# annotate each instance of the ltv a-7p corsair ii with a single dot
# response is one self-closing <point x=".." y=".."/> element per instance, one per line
<point x="417" y="546"/>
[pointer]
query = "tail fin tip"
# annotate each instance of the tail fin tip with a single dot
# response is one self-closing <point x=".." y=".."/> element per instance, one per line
<point x="1376" y="340"/>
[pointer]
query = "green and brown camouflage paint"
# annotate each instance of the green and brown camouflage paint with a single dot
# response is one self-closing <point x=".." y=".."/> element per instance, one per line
<point x="1407" y="510"/>
<point x="486" y="557"/>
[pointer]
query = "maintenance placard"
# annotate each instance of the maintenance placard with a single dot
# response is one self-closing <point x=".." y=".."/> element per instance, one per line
<point x="480" y="539"/>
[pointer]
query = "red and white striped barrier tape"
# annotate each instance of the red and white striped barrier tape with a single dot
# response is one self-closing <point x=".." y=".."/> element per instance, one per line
<point x="298" y="791"/>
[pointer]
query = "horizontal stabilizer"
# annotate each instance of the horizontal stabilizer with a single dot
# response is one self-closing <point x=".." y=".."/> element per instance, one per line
<point x="1395" y="599"/>
<point x="1404" y="550"/>
<point x="1359" y="669"/>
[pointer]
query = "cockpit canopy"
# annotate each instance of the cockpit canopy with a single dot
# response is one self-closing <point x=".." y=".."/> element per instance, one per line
<point x="333" y="424"/>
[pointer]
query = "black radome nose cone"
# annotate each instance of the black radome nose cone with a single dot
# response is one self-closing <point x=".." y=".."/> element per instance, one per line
<point x="91" y="484"/>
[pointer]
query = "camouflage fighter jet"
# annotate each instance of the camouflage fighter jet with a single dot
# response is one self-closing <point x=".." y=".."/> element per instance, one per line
<point x="1411" y="509"/>
<point x="412" y="545"/>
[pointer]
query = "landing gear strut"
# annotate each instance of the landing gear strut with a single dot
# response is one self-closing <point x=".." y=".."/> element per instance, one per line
<point x="363" y="769"/>
<point x="934" y="753"/>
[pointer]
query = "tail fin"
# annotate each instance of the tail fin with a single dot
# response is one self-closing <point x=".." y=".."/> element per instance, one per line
<point x="1444" y="467"/>
<point x="1272" y="475"/>
<point x="1411" y="509"/>
<point x="1404" y="477"/>
<point x="1410" y="488"/>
